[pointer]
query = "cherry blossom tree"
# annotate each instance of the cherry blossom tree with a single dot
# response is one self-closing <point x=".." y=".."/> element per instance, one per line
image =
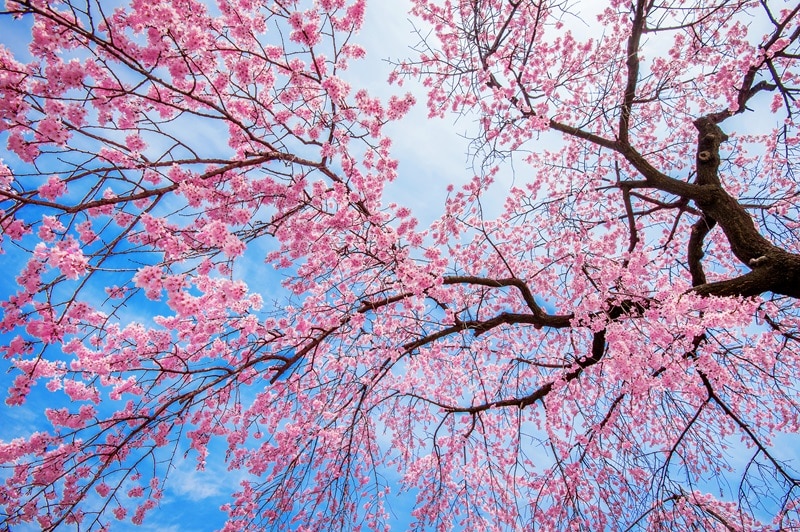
<point x="618" y="348"/>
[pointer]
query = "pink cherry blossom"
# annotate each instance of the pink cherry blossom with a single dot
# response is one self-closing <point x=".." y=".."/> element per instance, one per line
<point x="54" y="188"/>
<point x="209" y="264"/>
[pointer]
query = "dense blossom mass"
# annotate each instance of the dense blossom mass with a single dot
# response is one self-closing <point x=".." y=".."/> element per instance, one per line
<point x="206" y="267"/>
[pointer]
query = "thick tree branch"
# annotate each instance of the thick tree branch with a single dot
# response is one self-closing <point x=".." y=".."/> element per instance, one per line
<point x="774" y="269"/>
<point x="632" y="63"/>
<point x="540" y="316"/>
<point x="695" y="253"/>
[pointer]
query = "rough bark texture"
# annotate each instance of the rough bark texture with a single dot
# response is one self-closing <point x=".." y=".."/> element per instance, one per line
<point x="773" y="269"/>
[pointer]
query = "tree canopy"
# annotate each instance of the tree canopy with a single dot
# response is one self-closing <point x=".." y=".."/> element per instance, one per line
<point x="616" y="346"/>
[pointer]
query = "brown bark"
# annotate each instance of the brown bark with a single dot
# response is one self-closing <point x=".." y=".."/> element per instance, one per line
<point x="773" y="269"/>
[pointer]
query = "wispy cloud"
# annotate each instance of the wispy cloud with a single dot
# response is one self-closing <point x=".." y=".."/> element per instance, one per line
<point x="187" y="482"/>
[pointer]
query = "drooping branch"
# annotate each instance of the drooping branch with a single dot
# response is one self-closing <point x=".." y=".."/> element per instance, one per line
<point x="747" y="430"/>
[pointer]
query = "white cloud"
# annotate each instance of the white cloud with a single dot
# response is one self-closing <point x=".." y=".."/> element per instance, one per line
<point x="187" y="482"/>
